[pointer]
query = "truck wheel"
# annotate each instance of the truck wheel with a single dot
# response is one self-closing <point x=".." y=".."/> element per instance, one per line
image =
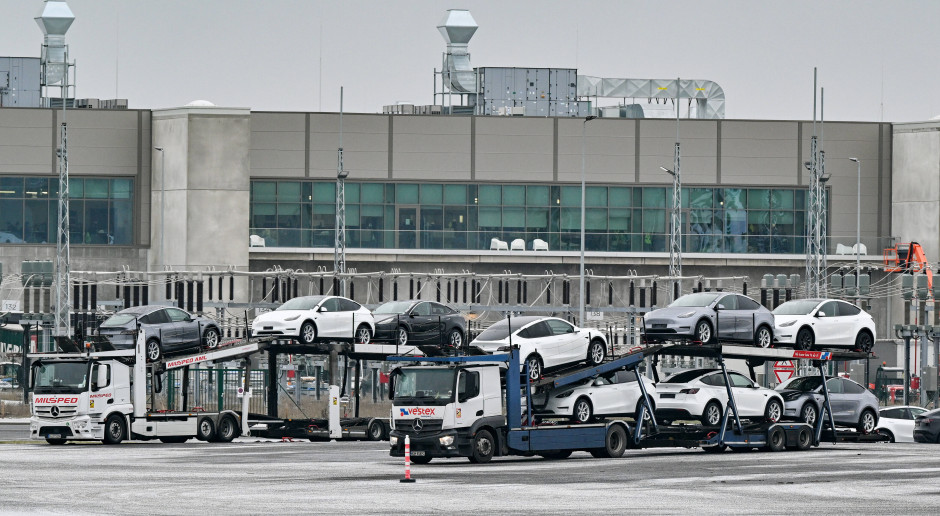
<point x="114" y="429"/>
<point x="776" y="439"/>
<point x="867" y="422"/>
<point x="228" y="429"/>
<point x="711" y="416"/>
<point x="210" y="340"/>
<point x="55" y="442"/>
<point x="615" y="442"/>
<point x="421" y="460"/>
<point x="804" y="439"/>
<point x="153" y="350"/>
<point x="376" y="430"/>
<point x="484" y="446"/>
<point x="174" y="440"/>
<point x="597" y="351"/>
<point x="205" y="429"/>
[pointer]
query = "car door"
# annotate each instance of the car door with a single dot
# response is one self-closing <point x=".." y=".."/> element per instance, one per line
<point x="565" y="344"/>
<point x="726" y="317"/>
<point x="470" y="402"/>
<point x="853" y="393"/>
<point x="422" y="325"/>
<point x="186" y="331"/>
<point x="837" y="399"/>
<point x="749" y="399"/>
<point x="536" y="338"/>
<point x="440" y="319"/>
<point x="603" y="394"/>
<point x="330" y="320"/>
<point x="850" y="322"/>
<point x="157" y="324"/>
<point x="746" y="318"/>
<point x="349" y="312"/>
<point x="826" y="324"/>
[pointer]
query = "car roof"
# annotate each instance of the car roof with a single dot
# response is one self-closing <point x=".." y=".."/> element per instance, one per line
<point x="143" y="309"/>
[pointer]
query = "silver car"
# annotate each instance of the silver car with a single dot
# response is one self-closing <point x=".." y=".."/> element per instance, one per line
<point x="166" y="330"/>
<point x="852" y="405"/>
<point x="711" y="316"/>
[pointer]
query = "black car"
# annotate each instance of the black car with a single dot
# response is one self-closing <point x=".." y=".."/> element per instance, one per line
<point x="420" y="323"/>
<point x="927" y="427"/>
<point x="166" y="329"/>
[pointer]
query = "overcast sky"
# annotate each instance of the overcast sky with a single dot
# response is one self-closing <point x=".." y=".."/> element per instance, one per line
<point x="266" y="55"/>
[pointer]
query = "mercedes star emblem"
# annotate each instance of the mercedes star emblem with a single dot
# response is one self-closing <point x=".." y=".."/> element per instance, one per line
<point x="417" y="425"/>
<point x="54" y="411"/>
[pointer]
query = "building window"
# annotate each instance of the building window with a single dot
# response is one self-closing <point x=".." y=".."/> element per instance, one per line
<point x="100" y="210"/>
<point x="467" y="217"/>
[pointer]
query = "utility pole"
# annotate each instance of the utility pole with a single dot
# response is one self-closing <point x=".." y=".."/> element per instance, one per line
<point x="675" y="232"/>
<point x="339" y="249"/>
<point x="816" y="215"/>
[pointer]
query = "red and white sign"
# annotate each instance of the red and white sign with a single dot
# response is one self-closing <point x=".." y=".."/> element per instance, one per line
<point x="51" y="400"/>
<point x="784" y="370"/>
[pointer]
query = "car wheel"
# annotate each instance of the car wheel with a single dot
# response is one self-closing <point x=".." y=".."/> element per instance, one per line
<point x="808" y="413"/>
<point x="776" y="439"/>
<point x="153" y="350"/>
<point x="711" y="416"/>
<point x="210" y="340"/>
<point x="805" y="339"/>
<point x="774" y="411"/>
<point x="484" y="446"/>
<point x="763" y="338"/>
<point x="402" y="336"/>
<point x="864" y="342"/>
<point x="583" y="412"/>
<point x="646" y="415"/>
<point x="228" y="429"/>
<point x="597" y="352"/>
<point x="114" y="429"/>
<point x="308" y="333"/>
<point x="867" y="422"/>
<point x="535" y="367"/>
<point x="703" y="331"/>
<point x="455" y="339"/>
<point x="205" y="429"/>
<point x="363" y="334"/>
<point x="421" y="460"/>
<point x="887" y="433"/>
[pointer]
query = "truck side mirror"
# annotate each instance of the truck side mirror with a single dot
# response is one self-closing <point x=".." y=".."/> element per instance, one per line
<point x="101" y="381"/>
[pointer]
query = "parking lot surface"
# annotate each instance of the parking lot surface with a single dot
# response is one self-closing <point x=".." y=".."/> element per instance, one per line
<point x="252" y="476"/>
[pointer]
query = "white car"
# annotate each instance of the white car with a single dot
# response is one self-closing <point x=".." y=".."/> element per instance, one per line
<point x="612" y="394"/>
<point x="309" y="319"/>
<point x="701" y="394"/>
<point x="805" y="323"/>
<point x="544" y="342"/>
<point x="897" y="423"/>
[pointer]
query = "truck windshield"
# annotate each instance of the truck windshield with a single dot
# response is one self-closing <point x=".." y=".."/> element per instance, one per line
<point x="60" y="377"/>
<point x="431" y="386"/>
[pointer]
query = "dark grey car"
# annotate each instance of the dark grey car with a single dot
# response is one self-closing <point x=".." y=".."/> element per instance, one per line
<point x="167" y="330"/>
<point x="709" y="316"/>
<point x="420" y="323"/>
<point x="852" y="405"/>
<point x="927" y="427"/>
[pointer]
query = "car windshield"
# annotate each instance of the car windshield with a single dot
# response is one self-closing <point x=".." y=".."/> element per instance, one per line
<point x="393" y="307"/>
<point x="424" y="384"/>
<point x="686" y="376"/>
<point x="800" y="307"/>
<point x="697" y="299"/>
<point x="120" y="319"/>
<point x="60" y="377"/>
<point x="302" y="303"/>
<point x="805" y="384"/>
<point x="501" y="329"/>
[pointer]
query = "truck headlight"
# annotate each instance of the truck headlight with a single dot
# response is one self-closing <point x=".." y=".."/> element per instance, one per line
<point x="393" y="440"/>
<point x="447" y="440"/>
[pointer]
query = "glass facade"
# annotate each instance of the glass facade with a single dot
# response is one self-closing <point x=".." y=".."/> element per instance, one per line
<point x="468" y="216"/>
<point x="100" y="210"/>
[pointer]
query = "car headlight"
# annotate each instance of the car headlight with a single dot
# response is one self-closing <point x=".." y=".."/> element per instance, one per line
<point x="786" y="324"/>
<point x="565" y="394"/>
<point x="393" y="440"/>
<point x="294" y="318"/>
<point x="791" y="396"/>
<point x="685" y="315"/>
<point x="447" y="440"/>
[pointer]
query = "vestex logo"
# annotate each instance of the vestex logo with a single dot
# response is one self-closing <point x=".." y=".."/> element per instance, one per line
<point x="417" y="411"/>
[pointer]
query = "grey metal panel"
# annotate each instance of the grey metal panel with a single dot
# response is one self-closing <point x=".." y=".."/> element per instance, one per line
<point x="278" y="144"/>
<point x="365" y="144"/>
<point x="431" y="148"/>
<point x="609" y="149"/>
<point x="19" y="82"/>
<point x="514" y="149"/>
<point x="103" y="142"/>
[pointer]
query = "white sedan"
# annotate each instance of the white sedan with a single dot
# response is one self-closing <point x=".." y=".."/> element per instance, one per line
<point x="701" y="394"/>
<point x="897" y="423"/>
<point x="309" y="319"/>
<point x="544" y="342"/>
<point x="612" y="394"/>
<point x="805" y="323"/>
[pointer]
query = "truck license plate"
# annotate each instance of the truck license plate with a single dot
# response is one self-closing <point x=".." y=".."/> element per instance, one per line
<point x="54" y="436"/>
<point x="417" y="453"/>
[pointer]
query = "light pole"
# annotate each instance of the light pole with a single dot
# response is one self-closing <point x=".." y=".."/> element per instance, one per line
<point x="581" y="290"/>
<point x="162" y="205"/>
<point x="858" y="222"/>
<point x="675" y="232"/>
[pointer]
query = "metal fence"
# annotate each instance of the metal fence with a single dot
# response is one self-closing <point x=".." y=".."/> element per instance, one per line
<point x="216" y="390"/>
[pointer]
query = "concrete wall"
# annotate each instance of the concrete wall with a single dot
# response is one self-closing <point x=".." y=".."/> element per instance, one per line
<point x="915" y="199"/>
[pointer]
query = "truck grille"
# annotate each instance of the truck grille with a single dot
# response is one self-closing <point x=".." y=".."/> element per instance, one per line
<point x="63" y="412"/>
<point x="428" y="426"/>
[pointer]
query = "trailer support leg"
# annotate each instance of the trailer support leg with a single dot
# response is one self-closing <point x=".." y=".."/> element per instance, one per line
<point x="644" y="407"/>
<point x="246" y="397"/>
<point x="185" y="388"/>
<point x="731" y="404"/>
<point x="272" y="383"/>
<point x="827" y="411"/>
<point x="357" y="384"/>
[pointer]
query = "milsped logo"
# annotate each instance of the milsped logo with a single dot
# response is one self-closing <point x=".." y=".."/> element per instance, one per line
<point x="51" y="400"/>
<point x="416" y="411"/>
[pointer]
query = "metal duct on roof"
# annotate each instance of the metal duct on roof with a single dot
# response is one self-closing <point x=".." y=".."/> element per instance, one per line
<point x="54" y="21"/>
<point x="709" y="96"/>
<point x="458" y="27"/>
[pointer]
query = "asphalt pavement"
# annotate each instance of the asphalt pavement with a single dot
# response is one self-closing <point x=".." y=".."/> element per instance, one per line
<point x="253" y="476"/>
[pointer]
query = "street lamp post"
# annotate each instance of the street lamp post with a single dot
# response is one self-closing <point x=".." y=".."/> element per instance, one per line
<point x="581" y="302"/>
<point x="162" y="205"/>
<point x="858" y="222"/>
